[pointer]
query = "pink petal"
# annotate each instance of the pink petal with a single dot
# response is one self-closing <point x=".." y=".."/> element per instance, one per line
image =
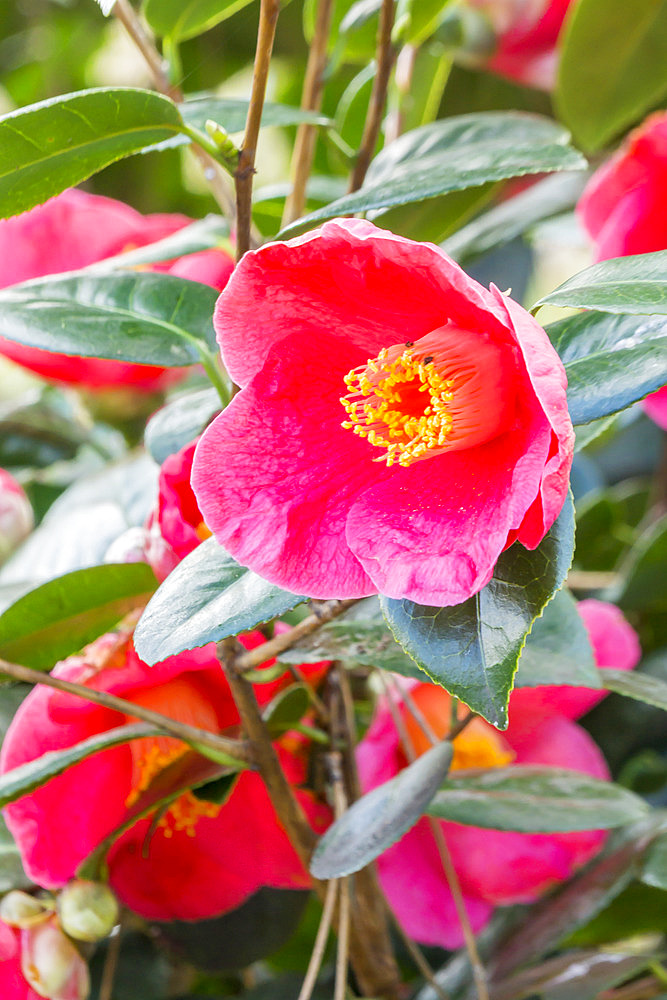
<point x="655" y="406"/>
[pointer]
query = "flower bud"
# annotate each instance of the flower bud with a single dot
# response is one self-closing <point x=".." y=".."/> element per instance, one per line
<point x="18" y="909"/>
<point x="52" y="965"/>
<point x="16" y="520"/>
<point x="87" y="910"/>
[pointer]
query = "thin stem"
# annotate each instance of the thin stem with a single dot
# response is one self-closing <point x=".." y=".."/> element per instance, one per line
<point x="325" y="612"/>
<point x="419" y="717"/>
<point x="189" y="734"/>
<point x="211" y="367"/>
<point x="343" y="951"/>
<point x="320" y="941"/>
<point x="385" y="60"/>
<point x="111" y="964"/>
<point x="582" y="579"/>
<point x="311" y="100"/>
<point x="243" y="175"/>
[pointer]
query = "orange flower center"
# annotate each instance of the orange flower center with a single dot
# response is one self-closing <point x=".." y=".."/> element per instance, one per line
<point x="449" y="390"/>
<point x="183" y="700"/>
<point x="478" y="746"/>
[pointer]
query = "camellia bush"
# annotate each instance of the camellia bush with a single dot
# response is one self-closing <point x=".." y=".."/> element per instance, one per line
<point x="333" y="499"/>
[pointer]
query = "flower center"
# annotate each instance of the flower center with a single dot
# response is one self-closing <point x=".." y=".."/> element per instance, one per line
<point x="449" y="390"/>
<point x="182" y="700"/>
<point x="478" y="746"/>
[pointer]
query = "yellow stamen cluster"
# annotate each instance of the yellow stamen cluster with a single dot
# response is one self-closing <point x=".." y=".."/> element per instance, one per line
<point x="378" y="410"/>
<point x="184" y="813"/>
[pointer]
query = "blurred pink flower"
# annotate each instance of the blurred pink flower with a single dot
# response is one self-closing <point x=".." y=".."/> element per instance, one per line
<point x="527" y="32"/>
<point x="494" y="867"/>
<point x="69" y="232"/>
<point x="13" y="985"/>
<point x="16" y="518"/>
<point x="200" y="859"/>
<point x="655" y="406"/>
<point x="338" y="476"/>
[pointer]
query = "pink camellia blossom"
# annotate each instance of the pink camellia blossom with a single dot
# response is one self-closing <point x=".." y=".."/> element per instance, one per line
<point x="16" y="517"/>
<point x="495" y="867"/>
<point x="624" y="209"/>
<point x="526" y="35"/>
<point x="13" y="985"/>
<point x="198" y="859"/>
<point x="398" y="427"/>
<point x="175" y="526"/>
<point x="76" y="229"/>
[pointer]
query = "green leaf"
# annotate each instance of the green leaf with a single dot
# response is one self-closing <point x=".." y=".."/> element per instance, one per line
<point x="645" y="580"/>
<point x="26" y="777"/>
<point x="472" y="649"/>
<point x="558" y="650"/>
<point x="513" y="217"/>
<point x="231" y="113"/>
<point x="531" y="799"/>
<point x="640" y="686"/>
<point x="286" y="709"/>
<point x="654" y="871"/>
<point x="206" y="598"/>
<point x="200" y="235"/>
<point x="576" y="975"/>
<point x="611" y="361"/>
<point x="635" y="284"/>
<point x="12" y="875"/>
<point x="63" y="615"/>
<point x="140" y="316"/>
<point x="611" y="67"/>
<point x="638" y="910"/>
<point x="377" y="820"/>
<point x="359" y="636"/>
<point x="181" y="19"/>
<point x="416" y="20"/>
<point x="179" y="422"/>
<point x="50" y="146"/>
<point x="451" y="155"/>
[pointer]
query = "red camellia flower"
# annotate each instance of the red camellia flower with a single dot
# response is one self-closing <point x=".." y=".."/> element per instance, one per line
<point x="494" y="867"/>
<point x="71" y="231"/>
<point x="398" y="426"/>
<point x="526" y="32"/>
<point x="198" y="859"/>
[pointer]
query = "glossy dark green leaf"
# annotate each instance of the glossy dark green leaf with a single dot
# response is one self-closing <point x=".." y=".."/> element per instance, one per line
<point x="50" y="146"/>
<point x="635" y="284"/>
<point x="286" y="709"/>
<point x="640" y="686"/>
<point x="611" y="360"/>
<point x="63" y="615"/>
<point x="26" y="777"/>
<point x="472" y="649"/>
<point x="179" y="422"/>
<point x="513" y="217"/>
<point x="206" y="598"/>
<point x="558" y="650"/>
<point x="381" y="817"/>
<point x="231" y="113"/>
<point x="531" y="799"/>
<point x="644" y="585"/>
<point x="181" y="19"/>
<point x="654" y="871"/>
<point x="140" y="316"/>
<point x="359" y="636"/>
<point x="611" y="66"/>
<point x="451" y="155"/>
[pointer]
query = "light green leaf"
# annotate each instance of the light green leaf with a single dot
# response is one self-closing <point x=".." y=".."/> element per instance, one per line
<point x="451" y="155"/>
<point x="611" y="66"/>
<point x="179" y="422"/>
<point x="381" y="817"/>
<point x="633" y="684"/>
<point x="558" y="650"/>
<point x="181" y="19"/>
<point x="636" y="284"/>
<point x="200" y="235"/>
<point x="206" y="598"/>
<point x="231" y="113"/>
<point x="63" y="615"/>
<point x="644" y="585"/>
<point x="531" y="799"/>
<point x="50" y="146"/>
<point x="472" y="649"/>
<point x="654" y="871"/>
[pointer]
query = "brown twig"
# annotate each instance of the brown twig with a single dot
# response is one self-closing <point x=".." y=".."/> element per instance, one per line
<point x="320" y="941"/>
<point x="189" y="734"/>
<point x="243" y="175"/>
<point x="385" y="59"/>
<point x="324" y="613"/>
<point x="311" y="100"/>
<point x="111" y="964"/>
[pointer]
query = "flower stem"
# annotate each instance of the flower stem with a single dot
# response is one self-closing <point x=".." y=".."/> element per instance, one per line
<point x="320" y="941"/>
<point x="385" y="59"/>
<point x="243" y="175"/>
<point x="311" y="100"/>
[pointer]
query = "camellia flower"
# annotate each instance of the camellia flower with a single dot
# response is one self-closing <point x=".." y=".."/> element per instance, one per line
<point x="13" y="985"/>
<point x="16" y="518"/>
<point x="198" y="859"/>
<point x="495" y="867"/>
<point x="69" y="232"/>
<point x="624" y="209"/>
<point x="398" y="426"/>
<point x="526" y="32"/>
<point x="40" y="961"/>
